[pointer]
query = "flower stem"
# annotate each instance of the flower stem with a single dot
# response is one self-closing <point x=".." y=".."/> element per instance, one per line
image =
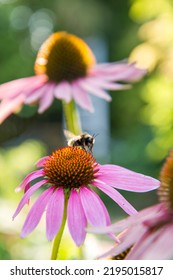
<point x="57" y="240"/>
<point x="72" y="117"/>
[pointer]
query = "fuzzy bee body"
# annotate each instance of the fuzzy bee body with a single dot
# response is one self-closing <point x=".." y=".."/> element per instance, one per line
<point x="84" y="140"/>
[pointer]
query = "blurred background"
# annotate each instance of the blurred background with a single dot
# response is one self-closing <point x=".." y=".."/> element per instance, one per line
<point x="139" y="122"/>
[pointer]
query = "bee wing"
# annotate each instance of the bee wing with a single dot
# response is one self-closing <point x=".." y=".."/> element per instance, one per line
<point x="68" y="134"/>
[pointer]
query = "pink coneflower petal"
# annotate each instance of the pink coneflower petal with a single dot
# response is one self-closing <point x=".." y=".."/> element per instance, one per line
<point x="101" y="83"/>
<point x="63" y="91"/>
<point x="31" y="176"/>
<point x="36" y="84"/>
<point x="36" y="212"/>
<point x="150" y="245"/>
<point x="54" y="213"/>
<point x="10" y="94"/>
<point x="95" y="90"/>
<point x="108" y="222"/>
<point x="12" y="88"/>
<point x="163" y="239"/>
<point x="76" y="218"/>
<point x="114" y="67"/>
<point x="116" y="196"/>
<point x="142" y="242"/>
<point x="125" y="179"/>
<point x="7" y="107"/>
<point x="119" y="72"/>
<point x="135" y="74"/>
<point x="96" y="214"/>
<point x="128" y="238"/>
<point x="47" y="99"/>
<point x="129" y="74"/>
<point x="27" y="187"/>
<point x="27" y="195"/>
<point x="37" y="94"/>
<point x="82" y="98"/>
<point x="41" y="161"/>
<point x="147" y="214"/>
<point x="116" y="228"/>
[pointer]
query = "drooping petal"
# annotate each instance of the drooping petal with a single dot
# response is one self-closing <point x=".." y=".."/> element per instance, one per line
<point x="54" y="213"/>
<point x="108" y="85"/>
<point x="135" y="74"/>
<point x="155" y="245"/>
<point x="10" y="90"/>
<point x="31" y="176"/>
<point x="161" y="248"/>
<point x="119" y="72"/>
<point x="127" y="239"/>
<point x="76" y="218"/>
<point x="143" y="216"/>
<point x="41" y="161"/>
<point x="141" y="244"/>
<point x="96" y="214"/>
<point x="110" y="67"/>
<point x="36" y="212"/>
<point x="9" y="106"/>
<point x="63" y="91"/>
<point x="103" y="68"/>
<point x="122" y="178"/>
<point x="27" y="187"/>
<point x="108" y="222"/>
<point x="13" y="88"/>
<point x="117" y="197"/>
<point x="27" y="195"/>
<point x="37" y="94"/>
<point x="116" y="227"/>
<point x="94" y="89"/>
<point x="34" y="85"/>
<point x="82" y="97"/>
<point x="46" y="99"/>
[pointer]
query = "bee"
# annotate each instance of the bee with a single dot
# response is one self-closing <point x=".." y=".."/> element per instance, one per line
<point x="83" y="140"/>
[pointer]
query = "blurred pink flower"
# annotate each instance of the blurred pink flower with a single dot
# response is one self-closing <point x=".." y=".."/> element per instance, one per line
<point x="147" y="234"/>
<point x="66" y="69"/>
<point x="74" y="172"/>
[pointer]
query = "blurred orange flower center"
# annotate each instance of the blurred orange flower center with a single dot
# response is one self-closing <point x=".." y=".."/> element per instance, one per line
<point x="70" y="167"/>
<point x="64" y="57"/>
<point x="165" y="191"/>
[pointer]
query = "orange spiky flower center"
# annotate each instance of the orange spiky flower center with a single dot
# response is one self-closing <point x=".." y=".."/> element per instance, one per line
<point x="70" y="167"/>
<point x="64" y="57"/>
<point x="165" y="191"/>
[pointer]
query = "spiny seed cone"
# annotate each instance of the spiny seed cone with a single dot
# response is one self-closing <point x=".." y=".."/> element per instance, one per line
<point x="64" y="57"/>
<point x="70" y="167"/>
<point x="122" y="255"/>
<point x="165" y="191"/>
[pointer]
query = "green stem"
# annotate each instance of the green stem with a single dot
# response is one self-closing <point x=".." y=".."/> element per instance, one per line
<point x="81" y="255"/>
<point x="72" y="117"/>
<point x="57" y="240"/>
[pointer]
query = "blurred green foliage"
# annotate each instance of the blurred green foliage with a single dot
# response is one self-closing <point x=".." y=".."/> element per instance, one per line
<point x="141" y="118"/>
